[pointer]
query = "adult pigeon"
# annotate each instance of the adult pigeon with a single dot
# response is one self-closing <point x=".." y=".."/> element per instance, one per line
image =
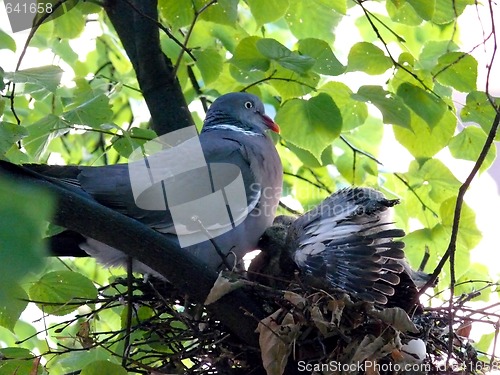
<point x="345" y="243"/>
<point x="235" y="145"/>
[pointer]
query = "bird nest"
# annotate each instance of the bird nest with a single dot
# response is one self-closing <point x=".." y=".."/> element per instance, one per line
<point x="306" y="331"/>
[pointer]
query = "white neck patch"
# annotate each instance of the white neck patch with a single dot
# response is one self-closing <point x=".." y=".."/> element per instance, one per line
<point x="235" y="129"/>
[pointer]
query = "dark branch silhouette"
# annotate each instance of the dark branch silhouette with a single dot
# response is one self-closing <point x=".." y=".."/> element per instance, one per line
<point x="80" y="214"/>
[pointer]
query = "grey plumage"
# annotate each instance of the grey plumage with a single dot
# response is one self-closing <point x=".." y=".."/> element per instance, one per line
<point x="348" y="242"/>
<point x="234" y="134"/>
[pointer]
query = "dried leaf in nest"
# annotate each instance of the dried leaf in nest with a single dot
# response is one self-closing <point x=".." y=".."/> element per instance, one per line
<point x="326" y="328"/>
<point x="222" y="286"/>
<point x="370" y="347"/>
<point x="396" y="318"/>
<point x="337" y="308"/>
<point x="276" y="340"/>
<point x="464" y="328"/>
<point x="296" y="299"/>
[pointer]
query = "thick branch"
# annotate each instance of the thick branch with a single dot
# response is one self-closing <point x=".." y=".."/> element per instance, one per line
<point x="134" y="22"/>
<point x="163" y="254"/>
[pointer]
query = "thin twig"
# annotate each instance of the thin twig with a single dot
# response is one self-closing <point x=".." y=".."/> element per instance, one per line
<point x="306" y="180"/>
<point x="197" y="88"/>
<point x="197" y="14"/>
<point x="272" y="78"/>
<point x="424" y="206"/>
<point x="289" y="209"/>
<point x="369" y="17"/>
<point x="128" y="324"/>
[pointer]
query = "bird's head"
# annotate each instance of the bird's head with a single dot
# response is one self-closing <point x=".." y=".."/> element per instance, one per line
<point x="241" y="110"/>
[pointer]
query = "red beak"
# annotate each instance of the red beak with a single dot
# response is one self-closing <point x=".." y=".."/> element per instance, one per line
<point x="270" y="123"/>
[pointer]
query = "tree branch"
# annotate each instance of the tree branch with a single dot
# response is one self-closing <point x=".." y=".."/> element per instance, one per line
<point x="162" y="253"/>
<point x="140" y="37"/>
<point x="450" y="251"/>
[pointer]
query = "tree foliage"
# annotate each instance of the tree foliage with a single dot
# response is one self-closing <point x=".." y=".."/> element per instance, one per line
<point x="340" y="75"/>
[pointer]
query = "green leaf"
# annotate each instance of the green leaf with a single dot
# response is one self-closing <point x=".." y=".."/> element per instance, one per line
<point x="310" y="124"/>
<point x="439" y="181"/>
<point x="21" y="229"/>
<point x="393" y="110"/>
<point x="435" y="239"/>
<point x="308" y="194"/>
<point x="458" y="70"/>
<point x="69" y="26"/>
<point x="247" y="57"/>
<point x="139" y="315"/>
<point x="314" y="18"/>
<point x="265" y="11"/>
<point x="290" y="84"/>
<point x="47" y="77"/>
<point x="276" y="51"/>
<point x="13" y="301"/>
<point x="468" y="282"/>
<point x="131" y="140"/>
<point x="426" y="105"/>
<point x="223" y="11"/>
<point x="422" y="141"/>
<point x="432" y="50"/>
<point x="468" y="235"/>
<point x="176" y="13"/>
<point x="9" y="135"/>
<point x="246" y="77"/>
<point x="358" y="170"/>
<point x="354" y="113"/>
<point x="209" y="61"/>
<point x="424" y="8"/>
<point x="142" y="135"/>
<point x="2" y="86"/>
<point x="326" y="62"/>
<point x="479" y="109"/>
<point x="368" y="58"/>
<point x="448" y="10"/>
<point x="103" y="367"/>
<point x="468" y="144"/>
<point x="78" y="359"/>
<point x="403" y="12"/>
<point x="17" y="361"/>
<point x="93" y="112"/>
<point x="61" y="292"/>
<point x="308" y="159"/>
<point x="7" y="42"/>
<point x="41" y="133"/>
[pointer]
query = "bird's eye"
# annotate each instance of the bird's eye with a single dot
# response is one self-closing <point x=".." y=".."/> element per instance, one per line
<point x="248" y="105"/>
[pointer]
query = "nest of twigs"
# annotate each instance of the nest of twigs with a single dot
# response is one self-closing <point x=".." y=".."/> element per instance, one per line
<point x="306" y="332"/>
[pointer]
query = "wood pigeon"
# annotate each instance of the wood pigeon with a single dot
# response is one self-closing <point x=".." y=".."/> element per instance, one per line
<point x="240" y="169"/>
<point x="346" y="243"/>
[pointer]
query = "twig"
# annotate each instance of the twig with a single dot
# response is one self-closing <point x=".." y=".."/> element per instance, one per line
<point x="450" y="251"/>
<point x="197" y="13"/>
<point x="271" y="78"/>
<point x="424" y="206"/>
<point x="493" y="55"/>
<point x="369" y="17"/>
<point x="128" y="325"/>
<point x="359" y="151"/>
<point x="306" y="180"/>
<point x="289" y="209"/>
<point x="197" y="88"/>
